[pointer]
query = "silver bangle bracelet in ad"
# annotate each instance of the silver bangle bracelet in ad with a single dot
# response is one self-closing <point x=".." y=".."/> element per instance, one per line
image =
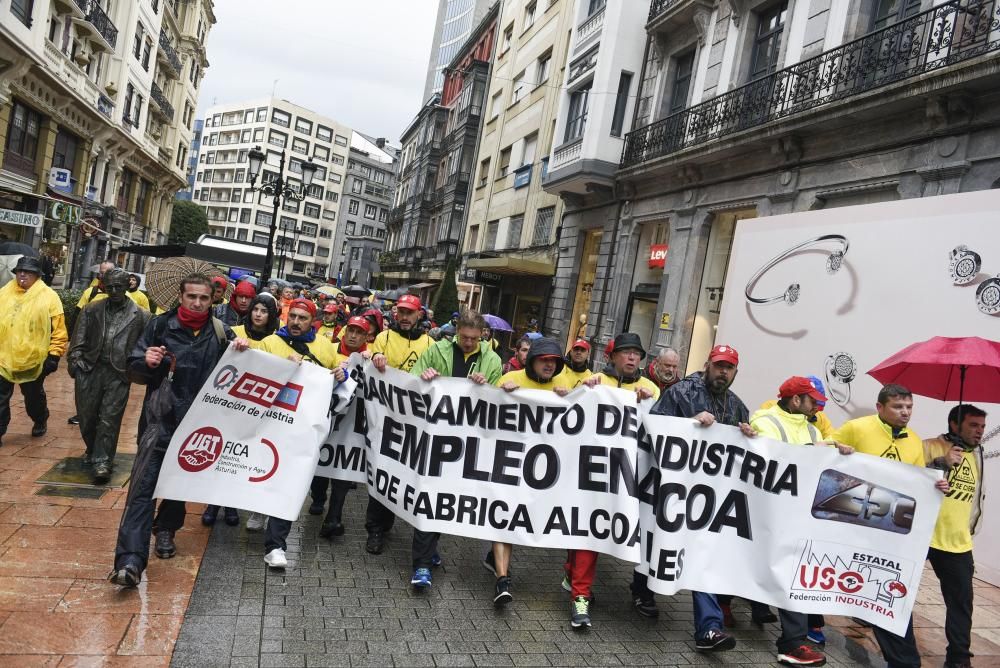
<point x="834" y="262"/>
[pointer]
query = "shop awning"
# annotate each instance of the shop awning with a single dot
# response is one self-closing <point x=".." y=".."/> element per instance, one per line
<point x="421" y="286"/>
<point x="512" y="265"/>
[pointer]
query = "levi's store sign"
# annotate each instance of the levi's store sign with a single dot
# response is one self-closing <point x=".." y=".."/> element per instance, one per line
<point x="658" y="255"/>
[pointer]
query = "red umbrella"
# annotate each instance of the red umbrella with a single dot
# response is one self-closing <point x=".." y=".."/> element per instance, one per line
<point x="949" y="369"/>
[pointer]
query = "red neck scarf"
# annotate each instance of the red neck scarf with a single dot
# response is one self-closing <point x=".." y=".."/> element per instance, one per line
<point x="192" y="319"/>
<point x="344" y="351"/>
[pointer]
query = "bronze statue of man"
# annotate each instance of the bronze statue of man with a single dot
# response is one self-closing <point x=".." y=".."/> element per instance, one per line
<point x="105" y="333"/>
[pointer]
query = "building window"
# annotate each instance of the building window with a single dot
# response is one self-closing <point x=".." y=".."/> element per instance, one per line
<point x="517" y="87"/>
<point x="529" y="14"/>
<point x="367" y="231"/>
<point x="22" y="10"/>
<point x="340" y="140"/>
<point x="309" y="229"/>
<point x="621" y="104"/>
<point x="324" y="133"/>
<point x="767" y="42"/>
<point x="303" y="126"/>
<point x="306" y="248"/>
<point x="371" y="211"/>
<point x="145" y="54"/>
<point x="244" y="217"/>
<point x="683" y="67"/>
<point x="508" y="37"/>
<point x="542" y="68"/>
<point x="595" y="6"/>
<point x="504" y="165"/>
<point x="337" y="160"/>
<point x="261" y="114"/>
<point x="890" y="11"/>
<point x="514" y="231"/>
<point x="357" y="185"/>
<point x="491" y="235"/>
<point x="528" y="150"/>
<point x="258" y="135"/>
<point x="484" y="172"/>
<point x="332" y="196"/>
<point x="260" y="238"/>
<point x="137" y="42"/>
<point x="543" y="226"/>
<point x="22" y="139"/>
<point x="282" y="118"/>
<point x="576" y="121"/>
<point x="263" y="219"/>
<point x="241" y="234"/>
<point x="64" y="154"/>
<point x="352" y="206"/>
<point x="473" y="238"/>
<point x="310" y="209"/>
<point x="321" y="153"/>
<point x="300" y="146"/>
<point x="383" y="215"/>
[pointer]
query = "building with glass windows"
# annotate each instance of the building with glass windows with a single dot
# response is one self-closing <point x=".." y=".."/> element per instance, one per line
<point x="456" y="19"/>
<point x="364" y="211"/>
<point x="97" y="103"/>
<point x="289" y="134"/>
<point x="682" y="117"/>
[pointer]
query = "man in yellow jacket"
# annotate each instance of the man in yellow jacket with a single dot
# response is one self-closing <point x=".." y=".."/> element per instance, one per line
<point x="296" y="341"/>
<point x="32" y="339"/>
<point x="399" y="347"/>
<point x="887" y="435"/>
<point x="959" y="454"/>
<point x="577" y="367"/>
<point x="818" y="418"/>
<point x="624" y="370"/>
<point x="402" y="344"/>
<point x="788" y="420"/>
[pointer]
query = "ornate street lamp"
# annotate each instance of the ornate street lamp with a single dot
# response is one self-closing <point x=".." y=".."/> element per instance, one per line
<point x="281" y="191"/>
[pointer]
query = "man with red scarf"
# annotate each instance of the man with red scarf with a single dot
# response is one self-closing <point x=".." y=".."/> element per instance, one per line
<point x="353" y="339"/>
<point x="196" y="341"/>
<point x="235" y="311"/>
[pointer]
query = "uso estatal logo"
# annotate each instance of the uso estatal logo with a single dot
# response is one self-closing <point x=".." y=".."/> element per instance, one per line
<point x="200" y="450"/>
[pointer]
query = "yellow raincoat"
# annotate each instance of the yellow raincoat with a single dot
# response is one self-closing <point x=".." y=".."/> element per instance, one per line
<point x="32" y="327"/>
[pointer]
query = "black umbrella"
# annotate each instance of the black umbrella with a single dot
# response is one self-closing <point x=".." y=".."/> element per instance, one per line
<point x="356" y="291"/>
<point x="15" y="248"/>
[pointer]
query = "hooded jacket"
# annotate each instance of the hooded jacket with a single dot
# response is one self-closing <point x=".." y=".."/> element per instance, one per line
<point x="527" y="378"/>
<point x="32" y="328"/>
<point x="690" y="396"/>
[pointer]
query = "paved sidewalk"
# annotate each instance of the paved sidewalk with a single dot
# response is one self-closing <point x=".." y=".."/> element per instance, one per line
<point x="56" y="606"/>
<point x="336" y="605"/>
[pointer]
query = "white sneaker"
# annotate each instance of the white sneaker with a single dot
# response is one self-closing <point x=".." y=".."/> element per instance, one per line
<point x="255" y="521"/>
<point x="276" y="558"/>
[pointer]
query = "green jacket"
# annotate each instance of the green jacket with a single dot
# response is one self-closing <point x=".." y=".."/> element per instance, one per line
<point x="440" y="357"/>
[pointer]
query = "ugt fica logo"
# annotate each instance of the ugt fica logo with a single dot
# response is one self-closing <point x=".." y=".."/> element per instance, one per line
<point x="200" y="450"/>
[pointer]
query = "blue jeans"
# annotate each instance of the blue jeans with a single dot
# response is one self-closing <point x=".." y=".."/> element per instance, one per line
<point x="707" y="613"/>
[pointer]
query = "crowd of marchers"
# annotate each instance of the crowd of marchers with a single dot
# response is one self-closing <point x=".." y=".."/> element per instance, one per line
<point x="116" y="341"/>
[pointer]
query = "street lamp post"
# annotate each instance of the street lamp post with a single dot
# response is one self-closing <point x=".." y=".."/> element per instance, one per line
<point x="281" y="191"/>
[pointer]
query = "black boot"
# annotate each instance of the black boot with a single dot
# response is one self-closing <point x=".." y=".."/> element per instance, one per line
<point x="208" y="517"/>
<point x="165" y="548"/>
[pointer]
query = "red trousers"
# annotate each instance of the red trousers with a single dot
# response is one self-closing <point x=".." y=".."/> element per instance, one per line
<point x="581" y="565"/>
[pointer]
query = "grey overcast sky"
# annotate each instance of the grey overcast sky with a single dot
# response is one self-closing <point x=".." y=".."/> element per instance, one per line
<point x="361" y="62"/>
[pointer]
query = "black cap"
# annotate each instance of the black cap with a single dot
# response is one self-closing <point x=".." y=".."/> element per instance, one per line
<point x="25" y="263"/>
<point x="628" y="340"/>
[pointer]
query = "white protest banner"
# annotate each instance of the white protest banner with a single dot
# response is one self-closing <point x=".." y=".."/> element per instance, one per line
<point x="251" y="438"/>
<point x="343" y="454"/>
<point x="527" y="467"/>
<point x="800" y="527"/>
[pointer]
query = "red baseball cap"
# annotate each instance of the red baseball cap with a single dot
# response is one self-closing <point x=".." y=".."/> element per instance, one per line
<point x="581" y="343"/>
<point x="360" y="321"/>
<point x="331" y="308"/>
<point x="303" y="304"/>
<point x="411" y="302"/>
<point x="725" y="353"/>
<point x="797" y="385"/>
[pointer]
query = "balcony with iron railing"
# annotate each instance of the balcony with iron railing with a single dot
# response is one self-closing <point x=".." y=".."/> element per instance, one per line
<point x="99" y="25"/>
<point x="951" y="33"/>
<point x="169" y="54"/>
<point x="165" y="108"/>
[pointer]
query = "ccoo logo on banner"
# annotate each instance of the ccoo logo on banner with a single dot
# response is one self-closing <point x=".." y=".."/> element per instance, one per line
<point x="250" y="438"/>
